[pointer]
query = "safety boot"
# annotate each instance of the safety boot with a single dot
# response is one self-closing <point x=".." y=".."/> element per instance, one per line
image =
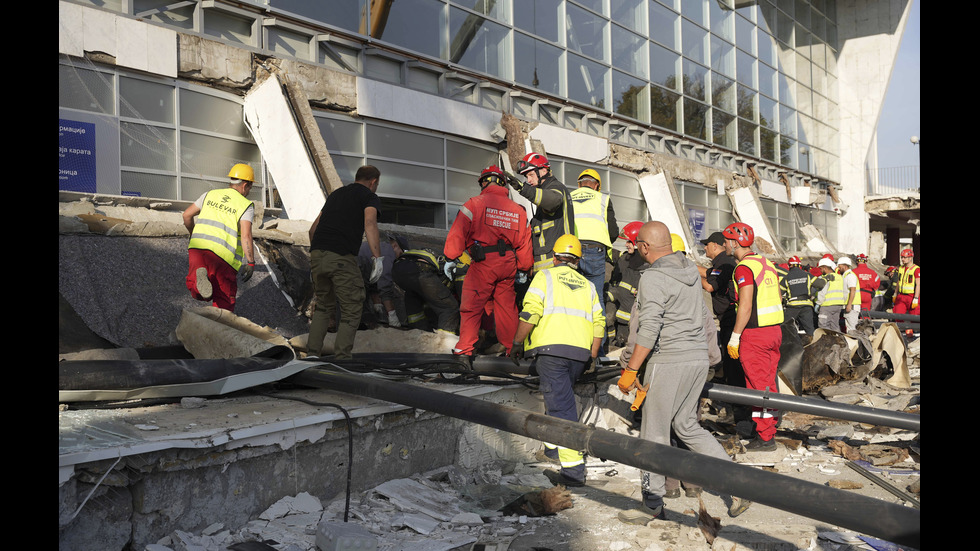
<point x="203" y="284"/>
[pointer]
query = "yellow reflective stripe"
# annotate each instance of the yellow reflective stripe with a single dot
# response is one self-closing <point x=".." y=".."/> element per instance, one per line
<point x="623" y="315"/>
<point x="628" y="287"/>
<point x="415" y="317"/>
<point x="570" y="458"/>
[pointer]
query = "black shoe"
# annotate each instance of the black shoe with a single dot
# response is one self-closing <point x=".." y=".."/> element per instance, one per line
<point x="759" y="445"/>
<point x="557" y="478"/>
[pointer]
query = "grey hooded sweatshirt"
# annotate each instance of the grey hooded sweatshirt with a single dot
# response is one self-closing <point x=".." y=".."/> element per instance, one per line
<point x="672" y="310"/>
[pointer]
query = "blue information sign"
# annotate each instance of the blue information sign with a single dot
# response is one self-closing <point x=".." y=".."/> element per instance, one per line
<point x="76" y="156"/>
<point x="695" y="219"/>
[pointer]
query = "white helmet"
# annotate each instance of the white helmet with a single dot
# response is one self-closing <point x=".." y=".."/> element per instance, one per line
<point x="827" y="262"/>
<point x="844" y="260"/>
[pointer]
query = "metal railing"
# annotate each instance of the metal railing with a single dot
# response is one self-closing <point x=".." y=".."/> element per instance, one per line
<point x="890" y="181"/>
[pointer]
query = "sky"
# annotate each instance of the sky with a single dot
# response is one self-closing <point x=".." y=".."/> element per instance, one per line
<point x="899" y="119"/>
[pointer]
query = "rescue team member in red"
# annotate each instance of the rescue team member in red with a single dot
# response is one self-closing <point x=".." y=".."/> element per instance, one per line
<point x="907" y="286"/>
<point x="757" y="336"/>
<point x="221" y="240"/>
<point x="494" y="231"/>
<point x="868" y="281"/>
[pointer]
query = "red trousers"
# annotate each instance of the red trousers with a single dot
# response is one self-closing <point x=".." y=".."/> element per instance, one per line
<point x="903" y="305"/>
<point x="490" y="280"/>
<point x="224" y="278"/>
<point x="759" y="353"/>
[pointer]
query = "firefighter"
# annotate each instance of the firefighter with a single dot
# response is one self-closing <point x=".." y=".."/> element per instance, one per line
<point x="419" y="272"/>
<point x="554" y="214"/>
<point x="795" y="287"/>
<point x="622" y="285"/>
<point x="757" y="335"/>
<point x="563" y="324"/>
<point x="595" y="227"/>
<point x="494" y="231"/>
<point x="907" y="286"/>
<point x="868" y="282"/>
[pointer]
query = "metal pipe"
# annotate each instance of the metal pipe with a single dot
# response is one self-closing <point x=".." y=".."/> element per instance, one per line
<point x="877" y="518"/>
<point x="875" y="314"/>
<point x="814" y="406"/>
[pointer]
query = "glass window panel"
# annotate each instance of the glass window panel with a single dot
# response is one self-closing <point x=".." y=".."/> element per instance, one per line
<point x="629" y="210"/>
<point x="784" y="29"/>
<point x="767" y="144"/>
<point x="400" y="144"/>
<point x="802" y="12"/>
<point x="767" y="49"/>
<point x="768" y="109"/>
<point x="693" y="39"/>
<point x="832" y="34"/>
<point x="496" y="10"/>
<point x="584" y="32"/>
<point x="664" y="106"/>
<point x="461" y="186"/>
<point x="346" y="14"/>
<point x="190" y="188"/>
<point x="414" y="24"/>
<point x="538" y="64"/>
<point x="623" y="185"/>
<point x="722" y="22"/>
<point x="695" y="119"/>
<point x="211" y="156"/>
<point x="695" y="80"/>
<point x="722" y="56"/>
<point x="228" y="26"/>
<point x="143" y="146"/>
<point x="695" y="11"/>
<point x="85" y="90"/>
<point x="695" y="196"/>
<point x="787" y="90"/>
<point x="629" y="51"/>
<point x="539" y="17"/>
<point x="346" y="166"/>
<point x="139" y="184"/>
<point x="664" y="65"/>
<point x="818" y="26"/>
<point x="469" y="157"/>
<point x="145" y="100"/>
<point x="421" y="79"/>
<point x="341" y="136"/>
<point x="663" y="25"/>
<point x="804" y="102"/>
<point x="629" y="13"/>
<point x="382" y="68"/>
<point x="788" y="6"/>
<point x="747" y="107"/>
<point x="723" y="129"/>
<point x="405" y="212"/>
<point x="628" y="95"/>
<point x="722" y="92"/>
<point x="212" y="114"/>
<point x="787" y="121"/>
<point x="402" y="180"/>
<point x="478" y="43"/>
<point x="787" y="152"/>
<point x="746" y="69"/>
<point x="745" y="34"/>
<point x="767" y="17"/>
<point x="290" y="43"/>
<point x="746" y="137"/>
<point x="586" y="81"/>
<point x="767" y="79"/>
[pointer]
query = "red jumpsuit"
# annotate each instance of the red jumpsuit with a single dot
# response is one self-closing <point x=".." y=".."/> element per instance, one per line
<point x="868" y="283"/>
<point x="905" y="290"/>
<point x="488" y="219"/>
<point x="759" y="353"/>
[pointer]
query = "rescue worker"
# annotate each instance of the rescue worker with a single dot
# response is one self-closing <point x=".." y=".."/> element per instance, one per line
<point x="554" y="214"/>
<point x="829" y="289"/>
<point x="907" y="286"/>
<point x="757" y="335"/>
<point x="796" y="288"/>
<point x="595" y="227"/>
<point x="494" y="231"/>
<point x="561" y="325"/>
<point x="868" y="282"/>
<point x="888" y="285"/>
<point x="419" y="273"/>
<point x="621" y="293"/>
<point x="852" y="294"/>
<point x="220" y="247"/>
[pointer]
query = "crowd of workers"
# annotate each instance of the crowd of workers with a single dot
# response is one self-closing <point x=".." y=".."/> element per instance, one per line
<point x="540" y="285"/>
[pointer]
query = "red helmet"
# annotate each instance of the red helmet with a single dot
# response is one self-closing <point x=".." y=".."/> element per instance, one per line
<point x="741" y="233"/>
<point x="907" y="253"/>
<point x="493" y="174"/>
<point x="828" y="256"/>
<point x="862" y="257"/>
<point x="794" y="261"/>
<point x="532" y="161"/>
<point x="630" y="231"/>
<point x="889" y="270"/>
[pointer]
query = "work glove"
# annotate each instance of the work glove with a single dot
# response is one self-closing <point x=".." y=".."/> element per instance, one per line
<point x="627" y="380"/>
<point x="448" y="268"/>
<point x="379" y="312"/>
<point x="521" y="278"/>
<point x="733" y="345"/>
<point x="513" y="181"/>
<point x="915" y="303"/>
<point x="517" y="352"/>
<point x="379" y="265"/>
<point x="247" y="270"/>
<point x="393" y="319"/>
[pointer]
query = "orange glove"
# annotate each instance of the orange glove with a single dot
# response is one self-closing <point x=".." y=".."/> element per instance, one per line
<point x="627" y="381"/>
<point x="733" y="345"/>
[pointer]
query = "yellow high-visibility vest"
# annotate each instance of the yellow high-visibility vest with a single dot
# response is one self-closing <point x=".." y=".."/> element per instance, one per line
<point x="768" y="301"/>
<point x="591" y="210"/>
<point x="856" y="301"/>
<point x="834" y="295"/>
<point x="566" y="313"/>
<point x="906" y="279"/>
<point x="216" y="229"/>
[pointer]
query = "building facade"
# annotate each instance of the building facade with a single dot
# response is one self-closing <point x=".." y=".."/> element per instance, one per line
<point x="694" y="112"/>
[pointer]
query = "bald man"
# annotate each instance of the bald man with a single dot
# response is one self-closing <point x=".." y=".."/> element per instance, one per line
<point x="673" y="353"/>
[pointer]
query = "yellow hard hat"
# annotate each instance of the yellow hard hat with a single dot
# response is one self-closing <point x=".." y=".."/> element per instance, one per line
<point x="589" y="173"/>
<point x="676" y="243"/>
<point x="243" y="172"/>
<point x="568" y="244"/>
